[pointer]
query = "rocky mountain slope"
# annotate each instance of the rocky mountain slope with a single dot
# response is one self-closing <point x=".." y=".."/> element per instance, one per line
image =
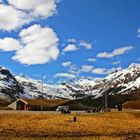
<point x="121" y="82"/>
<point x="9" y="86"/>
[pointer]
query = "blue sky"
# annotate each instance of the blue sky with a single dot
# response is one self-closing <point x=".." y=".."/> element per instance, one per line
<point x="70" y="38"/>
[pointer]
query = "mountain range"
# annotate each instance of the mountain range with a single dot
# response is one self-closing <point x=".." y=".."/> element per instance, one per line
<point x="120" y="83"/>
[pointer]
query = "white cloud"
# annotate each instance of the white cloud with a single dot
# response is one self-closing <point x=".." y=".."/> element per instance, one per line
<point x="9" y="44"/>
<point x="11" y="18"/>
<point x="112" y="70"/>
<point x="116" y="63"/>
<point x="99" y="71"/>
<point x="66" y="64"/>
<point x="21" y="12"/>
<point x="98" y="78"/>
<point x="85" y="44"/>
<point x="75" y="72"/>
<point x="36" y="8"/>
<point x="65" y="75"/>
<point x="91" y="60"/>
<point x="116" y="52"/>
<point x="74" y="69"/>
<point x="138" y="30"/>
<point x="71" y="40"/>
<point x="70" y="47"/>
<point x="105" y="71"/>
<point x="86" y="68"/>
<point x="40" y="46"/>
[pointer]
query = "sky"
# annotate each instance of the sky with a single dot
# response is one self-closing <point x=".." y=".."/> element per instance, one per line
<point x="69" y="39"/>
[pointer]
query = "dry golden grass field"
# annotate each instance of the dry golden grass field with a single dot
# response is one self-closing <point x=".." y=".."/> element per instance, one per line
<point x="102" y="126"/>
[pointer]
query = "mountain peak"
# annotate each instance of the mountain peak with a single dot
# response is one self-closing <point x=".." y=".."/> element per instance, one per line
<point x="134" y="65"/>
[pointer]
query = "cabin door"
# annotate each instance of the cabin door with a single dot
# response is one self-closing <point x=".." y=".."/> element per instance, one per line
<point x="20" y="105"/>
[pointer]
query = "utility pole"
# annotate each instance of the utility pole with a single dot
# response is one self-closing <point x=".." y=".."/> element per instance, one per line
<point x="42" y="83"/>
<point x="42" y="91"/>
<point x="106" y="96"/>
<point x="107" y="87"/>
<point x="106" y="102"/>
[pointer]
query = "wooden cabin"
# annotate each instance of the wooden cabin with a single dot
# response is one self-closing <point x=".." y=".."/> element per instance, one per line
<point x="44" y="104"/>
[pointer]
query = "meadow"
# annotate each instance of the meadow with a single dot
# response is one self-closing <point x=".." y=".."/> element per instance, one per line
<point x="102" y="126"/>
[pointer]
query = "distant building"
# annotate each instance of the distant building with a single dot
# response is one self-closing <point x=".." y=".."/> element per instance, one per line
<point x="132" y="104"/>
<point x="44" y="104"/>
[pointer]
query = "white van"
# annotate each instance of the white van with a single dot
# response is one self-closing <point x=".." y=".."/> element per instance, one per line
<point x="60" y="108"/>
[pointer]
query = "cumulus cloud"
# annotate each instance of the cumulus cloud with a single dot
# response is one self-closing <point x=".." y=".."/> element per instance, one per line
<point x="11" y="18"/>
<point x="36" y="8"/>
<point x="74" y="69"/>
<point x="116" y="52"/>
<point x="86" y="68"/>
<point x="66" y="64"/>
<point x="70" y="48"/>
<point x="138" y="32"/>
<point x="9" y="44"/>
<point x="17" y="13"/>
<point x="40" y="45"/>
<point x="65" y="75"/>
<point x="105" y="71"/>
<point x="91" y="60"/>
<point x="85" y="44"/>
<point x="98" y="78"/>
<point x="75" y="72"/>
<point x="99" y="71"/>
<point x="116" y="63"/>
<point x="71" y="40"/>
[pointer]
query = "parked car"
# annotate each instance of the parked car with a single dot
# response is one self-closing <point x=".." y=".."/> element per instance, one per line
<point x="59" y="108"/>
<point x="63" y="109"/>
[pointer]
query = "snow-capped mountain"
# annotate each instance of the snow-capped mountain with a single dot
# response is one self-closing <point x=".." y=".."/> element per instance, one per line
<point x="36" y="89"/>
<point x="120" y="82"/>
<point x="125" y="80"/>
<point x="9" y="86"/>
